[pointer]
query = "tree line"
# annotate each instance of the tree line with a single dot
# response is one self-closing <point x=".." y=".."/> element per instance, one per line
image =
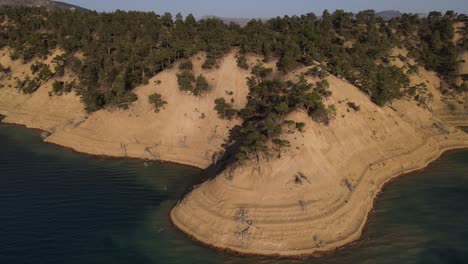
<point x="122" y="50"/>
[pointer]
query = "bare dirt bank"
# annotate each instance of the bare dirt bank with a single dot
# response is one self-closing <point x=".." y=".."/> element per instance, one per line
<point x="187" y="131"/>
<point x="289" y="226"/>
<point x="317" y="196"/>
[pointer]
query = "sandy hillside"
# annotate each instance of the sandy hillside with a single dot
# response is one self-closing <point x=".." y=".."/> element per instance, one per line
<point x="452" y="108"/>
<point x="186" y="131"/>
<point x="38" y="110"/>
<point x="421" y="76"/>
<point x="317" y="196"/>
<point x="456" y="105"/>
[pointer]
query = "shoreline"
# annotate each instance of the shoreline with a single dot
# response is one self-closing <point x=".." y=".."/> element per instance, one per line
<point x="97" y="155"/>
<point x="352" y="239"/>
<point x="187" y="131"/>
<point x="349" y="241"/>
<point x="360" y="230"/>
<point x="349" y="163"/>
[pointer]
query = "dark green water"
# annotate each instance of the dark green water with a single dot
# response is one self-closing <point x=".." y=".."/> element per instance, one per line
<point x="57" y="206"/>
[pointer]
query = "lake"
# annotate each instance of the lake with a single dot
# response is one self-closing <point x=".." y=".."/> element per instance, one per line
<point x="59" y="206"/>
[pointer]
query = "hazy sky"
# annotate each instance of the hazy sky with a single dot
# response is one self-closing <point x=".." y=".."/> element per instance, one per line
<point x="269" y="8"/>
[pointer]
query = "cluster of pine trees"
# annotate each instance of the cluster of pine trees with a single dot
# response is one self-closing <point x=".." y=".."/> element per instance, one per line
<point x="434" y="47"/>
<point x="187" y="81"/>
<point x="122" y="50"/>
<point x="270" y="100"/>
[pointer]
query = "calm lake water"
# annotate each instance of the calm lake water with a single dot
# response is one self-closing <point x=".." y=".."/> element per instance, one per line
<point x="57" y="206"/>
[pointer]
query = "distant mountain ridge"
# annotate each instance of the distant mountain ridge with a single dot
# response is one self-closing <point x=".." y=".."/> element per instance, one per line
<point x="242" y="21"/>
<point x="68" y="6"/>
<point x="25" y="2"/>
<point x="42" y="3"/>
<point x="389" y="14"/>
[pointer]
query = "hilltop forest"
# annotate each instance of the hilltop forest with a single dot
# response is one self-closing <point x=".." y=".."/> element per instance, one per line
<point x="124" y="49"/>
<point x="112" y="53"/>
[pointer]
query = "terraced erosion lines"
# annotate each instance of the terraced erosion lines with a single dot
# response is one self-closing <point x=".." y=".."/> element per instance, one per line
<point x="347" y="164"/>
<point x="290" y="223"/>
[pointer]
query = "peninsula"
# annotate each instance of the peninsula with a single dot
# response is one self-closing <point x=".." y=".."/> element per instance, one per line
<point x="302" y="119"/>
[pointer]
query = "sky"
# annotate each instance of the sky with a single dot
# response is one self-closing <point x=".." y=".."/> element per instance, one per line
<point x="270" y="8"/>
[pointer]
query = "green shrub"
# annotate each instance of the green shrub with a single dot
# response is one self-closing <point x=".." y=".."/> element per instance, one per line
<point x="354" y="106"/>
<point x="4" y="69"/>
<point x="57" y="87"/>
<point x="318" y="72"/>
<point x="28" y="85"/>
<point x="60" y="63"/>
<point x="35" y="67"/>
<point x="42" y="70"/>
<point x="157" y="101"/>
<point x="224" y="109"/>
<point x="15" y="55"/>
<point x="463" y="87"/>
<point x="201" y="86"/>
<point x="242" y="62"/>
<point x="21" y="83"/>
<point x="124" y="99"/>
<point x="68" y="86"/>
<point x="261" y="72"/>
<point x="209" y="63"/>
<point x="45" y="73"/>
<point x="300" y="126"/>
<point x="31" y="86"/>
<point x="93" y="100"/>
<point x="289" y="122"/>
<point x="186" y="66"/>
<point x="322" y="88"/>
<point x="322" y="114"/>
<point x="59" y="71"/>
<point x="281" y="143"/>
<point x="186" y="81"/>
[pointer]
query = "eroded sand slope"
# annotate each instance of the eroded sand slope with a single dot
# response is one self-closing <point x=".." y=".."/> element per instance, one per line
<point x="38" y="110"/>
<point x="188" y="129"/>
<point x="317" y="196"/>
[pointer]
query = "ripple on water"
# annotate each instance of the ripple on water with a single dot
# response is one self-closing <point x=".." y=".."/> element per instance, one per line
<point x="58" y="206"/>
